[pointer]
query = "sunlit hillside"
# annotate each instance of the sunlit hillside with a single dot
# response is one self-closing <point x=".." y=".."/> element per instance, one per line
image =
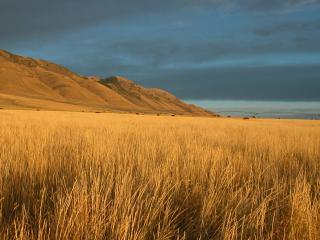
<point x="28" y="83"/>
<point x="139" y="177"/>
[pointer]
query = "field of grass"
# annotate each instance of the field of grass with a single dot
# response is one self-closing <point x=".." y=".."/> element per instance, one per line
<point x="132" y="177"/>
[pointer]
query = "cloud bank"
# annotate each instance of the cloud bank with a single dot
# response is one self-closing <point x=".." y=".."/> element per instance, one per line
<point x="201" y="49"/>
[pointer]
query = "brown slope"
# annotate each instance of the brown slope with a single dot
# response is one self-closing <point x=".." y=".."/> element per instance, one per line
<point x="29" y="77"/>
<point x="37" y="78"/>
<point x="30" y="83"/>
<point x="151" y="98"/>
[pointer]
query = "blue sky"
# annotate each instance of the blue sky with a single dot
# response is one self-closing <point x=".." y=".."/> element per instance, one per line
<point x="205" y="49"/>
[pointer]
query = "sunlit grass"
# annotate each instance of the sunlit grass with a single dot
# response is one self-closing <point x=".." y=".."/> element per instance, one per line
<point x="117" y="176"/>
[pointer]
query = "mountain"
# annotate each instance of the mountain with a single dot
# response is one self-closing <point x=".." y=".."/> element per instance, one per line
<point x="29" y="83"/>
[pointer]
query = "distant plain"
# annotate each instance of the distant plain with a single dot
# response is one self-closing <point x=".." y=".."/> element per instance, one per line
<point x="264" y="109"/>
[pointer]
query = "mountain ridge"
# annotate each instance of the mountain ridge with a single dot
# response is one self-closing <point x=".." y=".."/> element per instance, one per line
<point x="33" y="83"/>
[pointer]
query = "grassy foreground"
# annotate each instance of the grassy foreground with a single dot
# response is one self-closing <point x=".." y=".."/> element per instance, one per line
<point x="108" y="176"/>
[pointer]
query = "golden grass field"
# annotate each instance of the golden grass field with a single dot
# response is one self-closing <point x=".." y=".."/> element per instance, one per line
<point x="67" y="175"/>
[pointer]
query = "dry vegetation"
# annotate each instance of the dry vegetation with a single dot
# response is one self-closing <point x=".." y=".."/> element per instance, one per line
<point x="107" y="176"/>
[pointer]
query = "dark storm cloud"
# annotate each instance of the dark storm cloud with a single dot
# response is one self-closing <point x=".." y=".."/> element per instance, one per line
<point x="158" y="53"/>
<point x="37" y="18"/>
<point x="276" y="4"/>
<point x="200" y="49"/>
<point x="264" y="83"/>
<point x="288" y="27"/>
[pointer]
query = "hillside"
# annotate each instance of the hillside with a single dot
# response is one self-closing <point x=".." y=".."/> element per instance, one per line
<point x="27" y="83"/>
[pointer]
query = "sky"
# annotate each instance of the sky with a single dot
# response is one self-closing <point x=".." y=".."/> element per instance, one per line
<point x="198" y="49"/>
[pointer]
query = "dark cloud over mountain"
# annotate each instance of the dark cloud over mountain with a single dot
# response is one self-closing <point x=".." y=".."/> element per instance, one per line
<point x="196" y="48"/>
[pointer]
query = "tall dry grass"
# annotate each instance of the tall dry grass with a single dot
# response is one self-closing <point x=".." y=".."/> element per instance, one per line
<point x="108" y="176"/>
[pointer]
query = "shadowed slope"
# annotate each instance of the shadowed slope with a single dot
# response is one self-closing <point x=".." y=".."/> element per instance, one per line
<point x="32" y="83"/>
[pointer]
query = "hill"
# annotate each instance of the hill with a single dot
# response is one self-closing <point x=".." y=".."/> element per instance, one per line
<point x="27" y="83"/>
